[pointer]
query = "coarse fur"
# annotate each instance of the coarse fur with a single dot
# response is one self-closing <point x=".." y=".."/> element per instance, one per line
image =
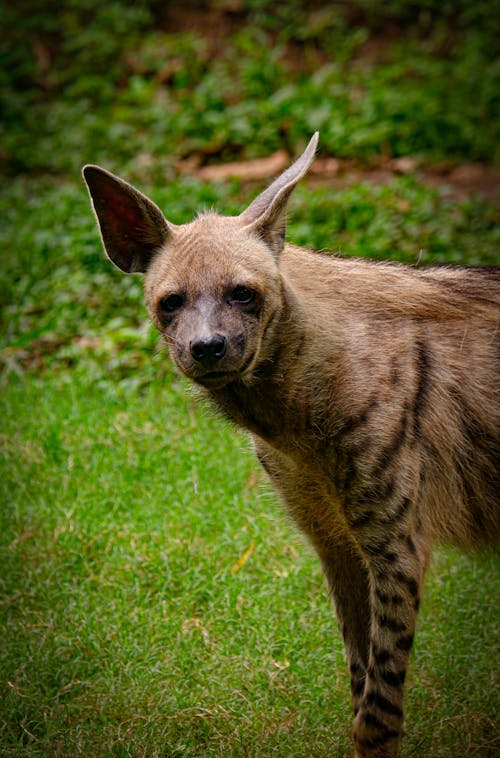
<point x="371" y="392"/>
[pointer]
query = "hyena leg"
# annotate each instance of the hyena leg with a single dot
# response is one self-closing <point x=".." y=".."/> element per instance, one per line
<point x="348" y="581"/>
<point x="396" y="568"/>
<point x="345" y="570"/>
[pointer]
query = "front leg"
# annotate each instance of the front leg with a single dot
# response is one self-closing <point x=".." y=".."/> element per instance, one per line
<point x="348" y="581"/>
<point x="396" y="563"/>
<point x="345" y="569"/>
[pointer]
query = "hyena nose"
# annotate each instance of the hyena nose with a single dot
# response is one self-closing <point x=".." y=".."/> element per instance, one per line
<point x="209" y="350"/>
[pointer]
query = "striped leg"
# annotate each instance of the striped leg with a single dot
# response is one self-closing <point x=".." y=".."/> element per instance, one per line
<point x="348" y="581"/>
<point x="396" y="573"/>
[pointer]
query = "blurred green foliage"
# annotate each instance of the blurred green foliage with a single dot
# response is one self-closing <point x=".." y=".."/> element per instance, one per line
<point x="86" y="80"/>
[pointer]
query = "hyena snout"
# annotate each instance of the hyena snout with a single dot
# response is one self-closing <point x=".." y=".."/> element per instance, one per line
<point x="209" y="350"/>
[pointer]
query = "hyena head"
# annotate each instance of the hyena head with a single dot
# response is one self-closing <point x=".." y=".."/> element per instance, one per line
<point x="213" y="286"/>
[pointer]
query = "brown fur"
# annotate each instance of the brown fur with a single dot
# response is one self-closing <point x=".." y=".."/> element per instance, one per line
<point x="371" y="391"/>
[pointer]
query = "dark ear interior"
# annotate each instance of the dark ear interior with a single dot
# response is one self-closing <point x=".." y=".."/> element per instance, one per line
<point x="132" y="227"/>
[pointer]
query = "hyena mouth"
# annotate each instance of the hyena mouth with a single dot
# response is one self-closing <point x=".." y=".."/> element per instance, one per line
<point x="217" y="379"/>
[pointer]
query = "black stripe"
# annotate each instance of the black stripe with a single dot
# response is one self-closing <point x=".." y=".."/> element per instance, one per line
<point x="376" y="493"/>
<point x="380" y="550"/>
<point x="411" y="545"/>
<point x="389" y="623"/>
<point x="405" y="642"/>
<point x="372" y="720"/>
<point x="390" y="557"/>
<point x="397" y="600"/>
<point x="385" y="705"/>
<point x="350" y="474"/>
<point x="375" y="742"/>
<point x="384" y="599"/>
<point x="395" y="372"/>
<point x="354" y="422"/>
<point x="393" y="678"/>
<point x="378" y="741"/>
<point x="383" y="656"/>
<point x="423" y="363"/>
<point x="376" y="549"/>
<point x="411" y="583"/>
<point x="362" y="520"/>
<point x="391" y="450"/>
<point x="357" y="688"/>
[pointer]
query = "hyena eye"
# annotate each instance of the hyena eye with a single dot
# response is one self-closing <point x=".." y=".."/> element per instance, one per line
<point x="242" y="295"/>
<point x="171" y="303"/>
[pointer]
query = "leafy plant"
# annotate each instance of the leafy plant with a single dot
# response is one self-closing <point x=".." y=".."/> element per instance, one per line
<point x="89" y="80"/>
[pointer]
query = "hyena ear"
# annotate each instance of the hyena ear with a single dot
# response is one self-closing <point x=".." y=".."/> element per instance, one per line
<point x="132" y="227"/>
<point x="266" y="215"/>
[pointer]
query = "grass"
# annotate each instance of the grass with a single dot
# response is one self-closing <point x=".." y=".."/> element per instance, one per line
<point x="154" y="599"/>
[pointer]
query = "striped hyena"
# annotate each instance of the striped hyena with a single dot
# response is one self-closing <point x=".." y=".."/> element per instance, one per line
<point x="371" y="392"/>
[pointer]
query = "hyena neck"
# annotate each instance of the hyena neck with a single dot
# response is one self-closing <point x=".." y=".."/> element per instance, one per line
<point x="280" y="400"/>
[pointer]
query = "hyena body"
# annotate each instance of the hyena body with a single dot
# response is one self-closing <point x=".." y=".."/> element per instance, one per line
<point x="371" y="391"/>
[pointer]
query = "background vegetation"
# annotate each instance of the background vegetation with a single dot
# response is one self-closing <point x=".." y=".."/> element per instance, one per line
<point x="154" y="600"/>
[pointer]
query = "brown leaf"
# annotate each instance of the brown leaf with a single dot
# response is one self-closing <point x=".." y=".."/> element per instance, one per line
<point x="254" y="170"/>
<point x="244" y="558"/>
<point x="326" y="167"/>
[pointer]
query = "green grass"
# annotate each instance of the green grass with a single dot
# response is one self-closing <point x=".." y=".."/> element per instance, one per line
<point x="154" y="599"/>
<point x="127" y="629"/>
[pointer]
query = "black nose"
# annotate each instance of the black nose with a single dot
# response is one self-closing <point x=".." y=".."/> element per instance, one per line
<point x="211" y="349"/>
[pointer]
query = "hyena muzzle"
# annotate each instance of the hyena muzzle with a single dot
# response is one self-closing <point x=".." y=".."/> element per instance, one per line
<point x="370" y="390"/>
